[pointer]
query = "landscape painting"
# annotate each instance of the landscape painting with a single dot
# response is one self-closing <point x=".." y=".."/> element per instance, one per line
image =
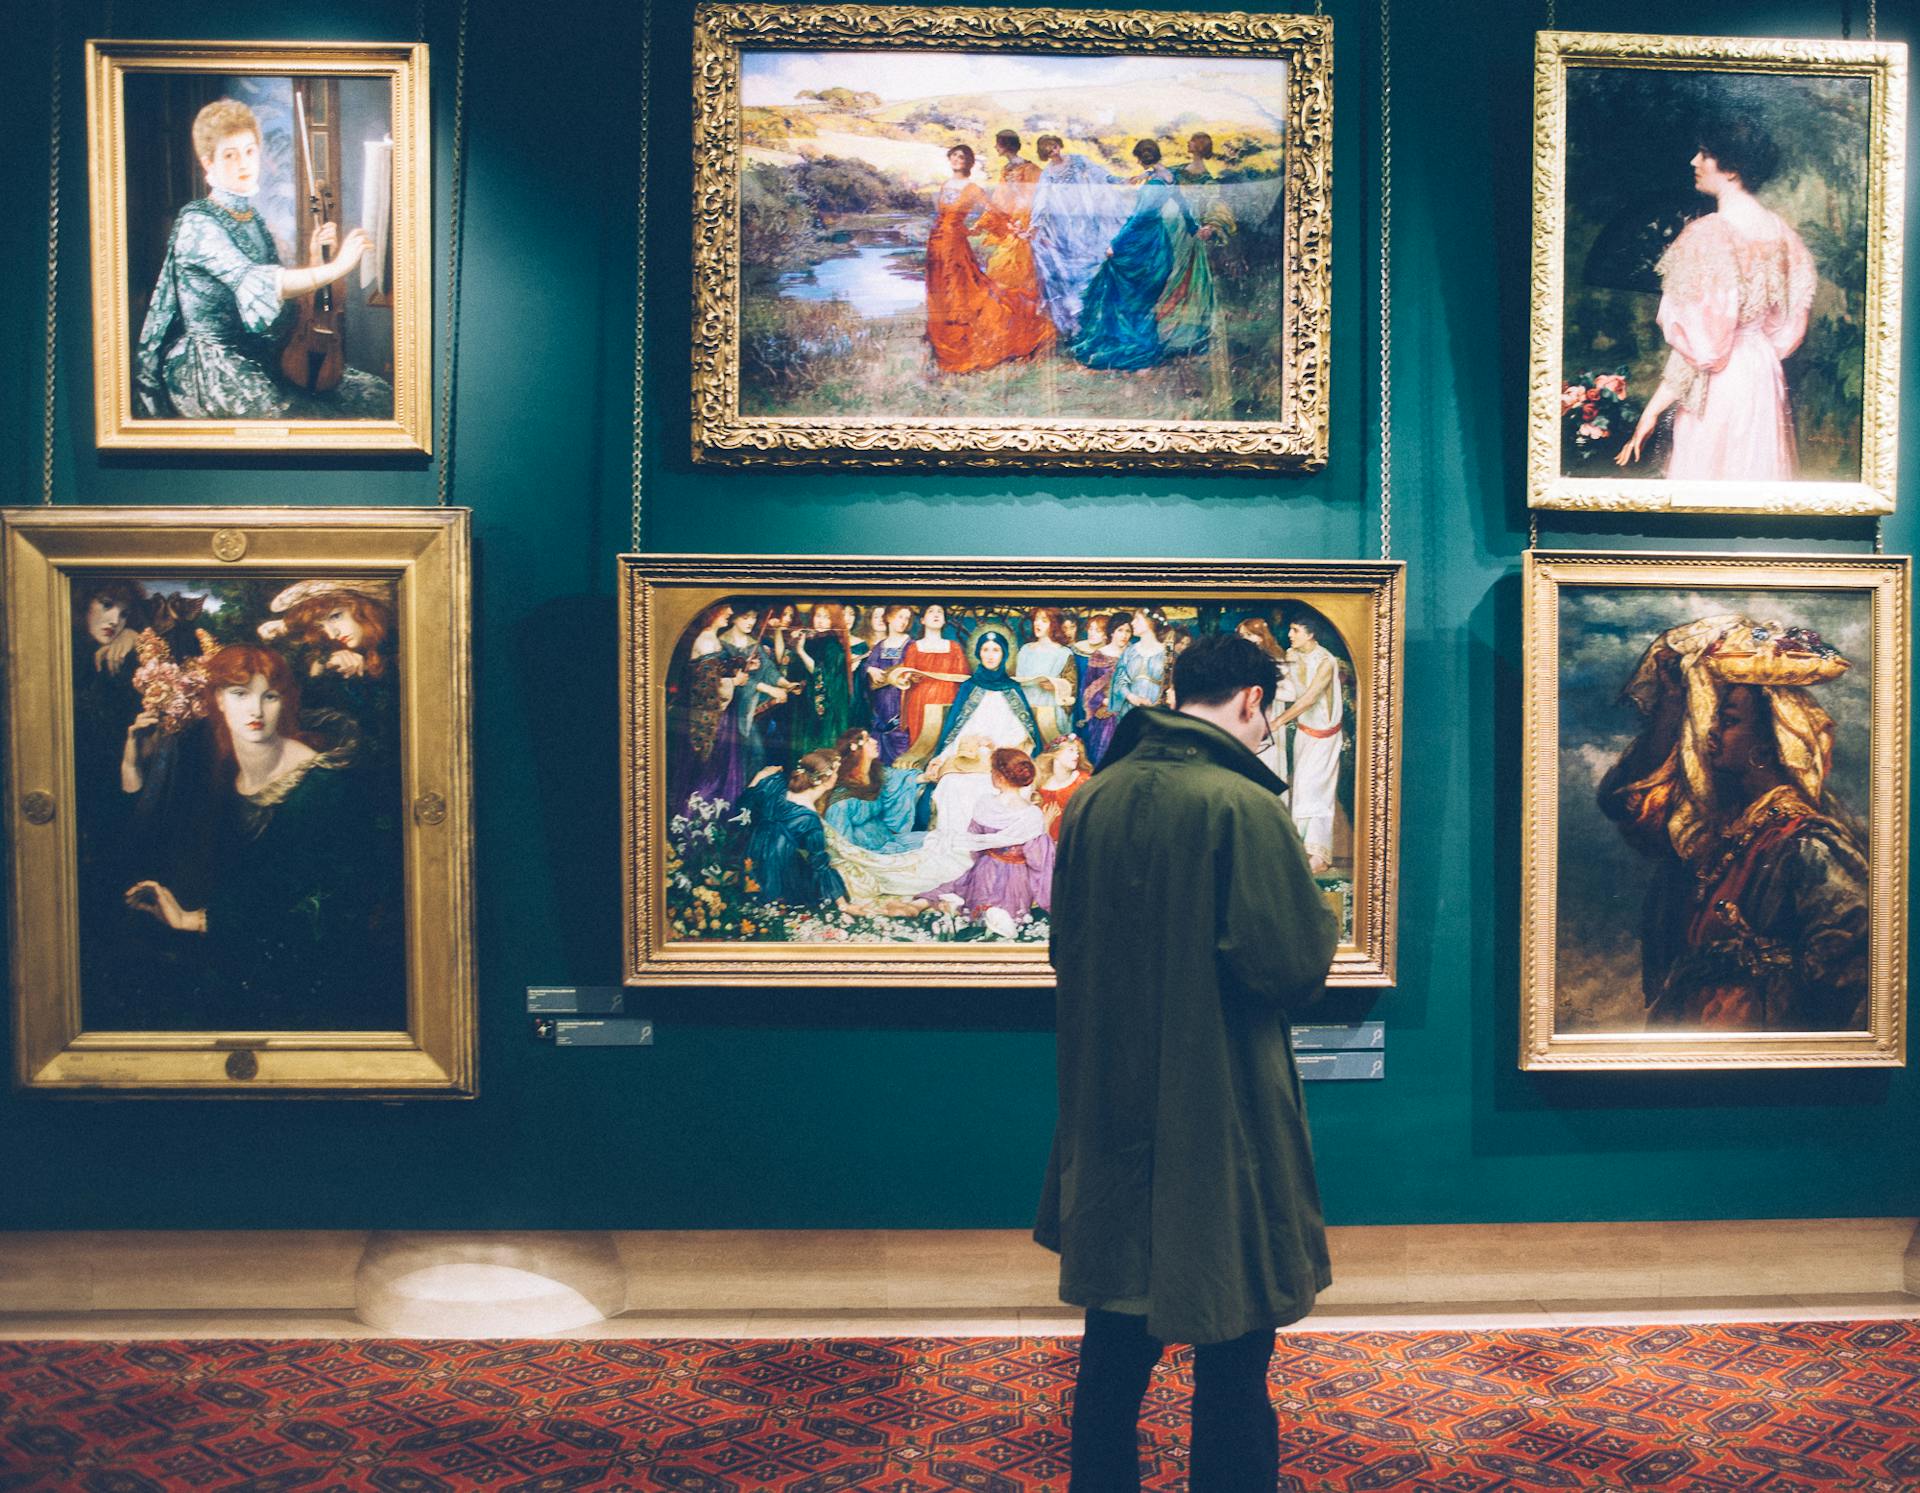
<point x="1009" y="248"/>
<point x="846" y="769"/>
<point x="1721" y="766"/>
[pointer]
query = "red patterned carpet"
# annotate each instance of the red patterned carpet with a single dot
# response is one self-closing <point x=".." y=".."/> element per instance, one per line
<point x="1805" y="1408"/>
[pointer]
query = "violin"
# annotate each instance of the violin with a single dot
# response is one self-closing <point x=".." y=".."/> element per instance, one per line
<point x="314" y="357"/>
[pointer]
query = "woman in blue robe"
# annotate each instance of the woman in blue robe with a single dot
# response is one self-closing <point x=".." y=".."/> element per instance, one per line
<point x="1120" y="317"/>
<point x="992" y="690"/>
<point x="1078" y="207"/>
<point x="786" y="838"/>
<point x="872" y="805"/>
<point x="222" y="307"/>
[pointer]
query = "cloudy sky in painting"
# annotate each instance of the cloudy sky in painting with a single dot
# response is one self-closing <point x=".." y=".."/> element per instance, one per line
<point x="1604" y="630"/>
<point x="773" y="78"/>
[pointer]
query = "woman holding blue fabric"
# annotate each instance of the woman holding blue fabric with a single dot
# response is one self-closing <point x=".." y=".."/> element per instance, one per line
<point x="1153" y="297"/>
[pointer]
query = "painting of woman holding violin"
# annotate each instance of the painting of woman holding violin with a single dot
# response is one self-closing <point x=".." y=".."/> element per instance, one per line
<point x="231" y="333"/>
<point x="264" y="223"/>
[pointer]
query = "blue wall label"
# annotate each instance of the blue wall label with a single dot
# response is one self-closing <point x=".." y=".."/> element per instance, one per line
<point x="591" y="1000"/>
<point x="1320" y="1067"/>
<point x="603" y="1034"/>
<point x="1358" y="1035"/>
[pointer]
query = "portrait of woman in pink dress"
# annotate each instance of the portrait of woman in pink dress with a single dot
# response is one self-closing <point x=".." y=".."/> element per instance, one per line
<point x="1737" y="287"/>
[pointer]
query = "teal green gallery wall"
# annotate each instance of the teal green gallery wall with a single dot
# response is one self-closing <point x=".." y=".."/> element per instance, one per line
<point x="904" y="1107"/>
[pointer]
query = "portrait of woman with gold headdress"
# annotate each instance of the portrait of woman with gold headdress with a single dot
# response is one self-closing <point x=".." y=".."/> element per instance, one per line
<point x="1756" y="915"/>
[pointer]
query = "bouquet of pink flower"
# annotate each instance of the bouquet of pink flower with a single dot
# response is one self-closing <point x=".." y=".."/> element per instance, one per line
<point x="175" y="692"/>
<point x="1596" y="417"/>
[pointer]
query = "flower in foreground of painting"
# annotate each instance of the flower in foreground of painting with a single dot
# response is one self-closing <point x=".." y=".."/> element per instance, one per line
<point x="1596" y="415"/>
<point x="713" y="893"/>
<point x="169" y="689"/>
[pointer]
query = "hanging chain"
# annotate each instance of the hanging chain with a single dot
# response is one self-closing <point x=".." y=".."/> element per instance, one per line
<point x="1533" y="528"/>
<point x="106" y="19"/>
<point x="1552" y="22"/>
<point x="419" y="20"/>
<point x="1319" y="7"/>
<point x="53" y="269"/>
<point x="1873" y="20"/>
<point x="445" y="446"/>
<point x="1879" y="539"/>
<point x="1386" y="279"/>
<point x="640" y="271"/>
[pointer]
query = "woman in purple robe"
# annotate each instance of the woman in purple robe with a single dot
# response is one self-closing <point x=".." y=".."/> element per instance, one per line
<point x="1013" y="854"/>
<point x="703" y="753"/>
<point x="1107" y="639"/>
<point x="883" y="657"/>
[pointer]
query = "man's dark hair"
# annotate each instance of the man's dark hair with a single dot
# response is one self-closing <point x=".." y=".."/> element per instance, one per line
<point x="1007" y="139"/>
<point x="1740" y="146"/>
<point x="1213" y="669"/>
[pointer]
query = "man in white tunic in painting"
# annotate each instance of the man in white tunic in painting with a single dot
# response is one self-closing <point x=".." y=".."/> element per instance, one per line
<point x="1315" y="716"/>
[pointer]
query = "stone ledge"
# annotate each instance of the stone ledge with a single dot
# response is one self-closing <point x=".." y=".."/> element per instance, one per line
<point x="980" y="1269"/>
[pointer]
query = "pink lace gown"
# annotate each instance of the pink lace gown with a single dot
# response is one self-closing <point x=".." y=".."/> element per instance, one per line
<point x="1732" y="307"/>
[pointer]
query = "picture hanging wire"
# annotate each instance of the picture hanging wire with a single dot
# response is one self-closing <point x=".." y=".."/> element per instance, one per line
<point x="1533" y="514"/>
<point x="1386" y="279"/>
<point x="640" y="268"/>
<point x="53" y="268"/>
<point x="444" y="447"/>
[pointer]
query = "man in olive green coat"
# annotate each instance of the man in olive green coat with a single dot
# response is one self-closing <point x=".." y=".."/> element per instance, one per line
<point x="1180" y="1193"/>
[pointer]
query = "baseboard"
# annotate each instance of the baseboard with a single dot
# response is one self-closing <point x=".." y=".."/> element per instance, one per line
<point x="992" y="1270"/>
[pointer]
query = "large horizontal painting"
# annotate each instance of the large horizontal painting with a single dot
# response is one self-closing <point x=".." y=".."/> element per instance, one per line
<point x="1715" y="787"/>
<point x="964" y="235"/>
<point x="855" y="769"/>
<point x="240" y="834"/>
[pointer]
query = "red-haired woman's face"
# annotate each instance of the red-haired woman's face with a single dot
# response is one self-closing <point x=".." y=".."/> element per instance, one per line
<point x="343" y="625"/>
<point x="251" y="710"/>
<point x="822" y="619"/>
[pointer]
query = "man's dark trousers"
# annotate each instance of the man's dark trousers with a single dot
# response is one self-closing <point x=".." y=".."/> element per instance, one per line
<point x="1236" y="1439"/>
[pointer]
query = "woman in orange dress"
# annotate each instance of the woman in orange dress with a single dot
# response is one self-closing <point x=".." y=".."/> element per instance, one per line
<point x="1063" y="772"/>
<point x="931" y="672"/>
<point x="973" y="320"/>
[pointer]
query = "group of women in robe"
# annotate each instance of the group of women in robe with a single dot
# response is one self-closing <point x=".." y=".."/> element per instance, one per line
<point x="886" y="763"/>
<point x="237" y="809"/>
<point x="1113" y="271"/>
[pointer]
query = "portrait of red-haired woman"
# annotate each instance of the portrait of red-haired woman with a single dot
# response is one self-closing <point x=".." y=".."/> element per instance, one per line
<point x="280" y="894"/>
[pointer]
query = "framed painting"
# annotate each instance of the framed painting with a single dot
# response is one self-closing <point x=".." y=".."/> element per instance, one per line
<point x="816" y="748"/>
<point x="956" y="236"/>
<point x="261" y="231"/>
<point x="1716" y="273"/>
<point x="1723" y="740"/>
<point x="239" y="801"/>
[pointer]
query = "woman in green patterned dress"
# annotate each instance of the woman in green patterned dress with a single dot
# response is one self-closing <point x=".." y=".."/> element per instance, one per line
<point x="221" y="310"/>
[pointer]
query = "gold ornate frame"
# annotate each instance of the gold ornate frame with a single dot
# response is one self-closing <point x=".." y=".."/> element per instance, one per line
<point x="1887" y="580"/>
<point x="425" y="550"/>
<point x="1885" y="65"/>
<point x="404" y="66"/>
<point x="661" y="594"/>
<point x="1297" y="441"/>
